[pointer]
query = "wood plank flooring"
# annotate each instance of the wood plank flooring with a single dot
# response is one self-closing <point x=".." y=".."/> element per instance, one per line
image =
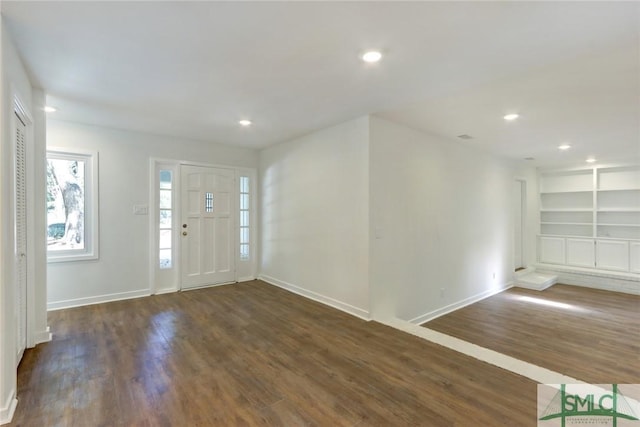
<point x="588" y="334"/>
<point x="253" y="354"/>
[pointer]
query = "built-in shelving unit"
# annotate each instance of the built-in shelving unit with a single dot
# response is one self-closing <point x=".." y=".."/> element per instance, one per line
<point x="591" y="218"/>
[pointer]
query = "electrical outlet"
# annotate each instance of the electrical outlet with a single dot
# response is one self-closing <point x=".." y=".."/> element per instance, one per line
<point x="441" y="292"/>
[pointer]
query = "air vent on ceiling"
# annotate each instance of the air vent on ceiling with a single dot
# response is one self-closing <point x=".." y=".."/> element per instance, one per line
<point x="529" y="158"/>
<point x="465" y="136"/>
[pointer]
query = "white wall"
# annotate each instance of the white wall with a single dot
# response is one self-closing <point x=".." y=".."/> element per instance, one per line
<point x="441" y="223"/>
<point x="14" y="83"/>
<point x="314" y="215"/>
<point x="124" y="160"/>
<point x="7" y="384"/>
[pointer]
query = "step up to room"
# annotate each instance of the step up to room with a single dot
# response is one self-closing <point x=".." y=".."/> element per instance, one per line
<point x="536" y="281"/>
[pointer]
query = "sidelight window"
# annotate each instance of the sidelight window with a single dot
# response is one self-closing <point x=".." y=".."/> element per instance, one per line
<point x="244" y="218"/>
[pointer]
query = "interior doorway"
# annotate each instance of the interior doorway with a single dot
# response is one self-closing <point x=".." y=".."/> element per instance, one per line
<point x="519" y="211"/>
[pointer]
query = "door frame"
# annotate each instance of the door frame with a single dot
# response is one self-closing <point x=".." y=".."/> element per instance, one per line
<point x="155" y="164"/>
<point x="523" y="222"/>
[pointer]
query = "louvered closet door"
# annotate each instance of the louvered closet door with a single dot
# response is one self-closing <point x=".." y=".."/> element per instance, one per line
<point x="21" y="235"/>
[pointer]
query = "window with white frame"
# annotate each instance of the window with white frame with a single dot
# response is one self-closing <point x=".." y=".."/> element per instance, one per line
<point x="72" y="210"/>
<point x="165" y="219"/>
<point x="244" y="218"/>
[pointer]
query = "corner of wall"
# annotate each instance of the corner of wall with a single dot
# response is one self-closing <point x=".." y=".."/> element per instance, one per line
<point x="8" y="408"/>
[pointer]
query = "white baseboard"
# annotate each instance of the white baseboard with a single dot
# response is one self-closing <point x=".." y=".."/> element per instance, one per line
<point x="347" y="308"/>
<point x="246" y="279"/>
<point x="9" y="408"/>
<point x="42" y="336"/>
<point x="58" y="305"/>
<point x="165" y="291"/>
<point x="628" y="283"/>
<point x="457" y="305"/>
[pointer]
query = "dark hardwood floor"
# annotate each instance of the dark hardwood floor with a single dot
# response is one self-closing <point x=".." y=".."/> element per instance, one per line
<point x="588" y="334"/>
<point x="253" y="354"/>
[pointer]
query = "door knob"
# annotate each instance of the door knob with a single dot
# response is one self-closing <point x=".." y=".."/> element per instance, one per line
<point x="184" y="233"/>
<point x="184" y="225"/>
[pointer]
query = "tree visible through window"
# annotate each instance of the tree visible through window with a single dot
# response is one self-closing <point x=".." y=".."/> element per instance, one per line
<point x="65" y="204"/>
<point x="166" y="210"/>
<point x="69" y="217"/>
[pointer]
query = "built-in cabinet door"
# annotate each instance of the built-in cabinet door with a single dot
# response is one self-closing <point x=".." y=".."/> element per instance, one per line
<point x="580" y="252"/>
<point x="634" y="256"/>
<point x="552" y="250"/>
<point x="612" y="255"/>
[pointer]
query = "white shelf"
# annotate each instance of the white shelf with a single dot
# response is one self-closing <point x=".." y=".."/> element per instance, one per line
<point x="566" y="192"/>
<point x="590" y="218"/>
<point x="618" y="210"/>
<point x="567" y="223"/>
<point x="567" y="210"/>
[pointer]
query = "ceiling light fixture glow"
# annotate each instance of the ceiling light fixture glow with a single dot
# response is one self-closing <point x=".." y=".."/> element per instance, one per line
<point x="511" y="117"/>
<point x="50" y="109"/>
<point x="564" y="147"/>
<point x="372" y="56"/>
<point x="591" y="160"/>
<point x="244" y="122"/>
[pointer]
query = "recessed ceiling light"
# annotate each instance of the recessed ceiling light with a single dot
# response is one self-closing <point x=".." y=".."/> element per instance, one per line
<point x="372" y="56"/>
<point x="244" y="123"/>
<point x="512" y="116"/>
<point x="50" y="109"/>
<point x="564" y="147"/>
<point x="591" y="160"/>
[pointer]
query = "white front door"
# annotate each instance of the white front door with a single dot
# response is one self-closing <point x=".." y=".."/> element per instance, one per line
<point x="21" y="235"/>
<point x="208" y="222"/>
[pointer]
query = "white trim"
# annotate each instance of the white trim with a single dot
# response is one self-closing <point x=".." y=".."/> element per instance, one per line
<point x="165" y="291"/>
<point x="91" y="249"/>
<point x="458" y="305"/>
<point x="9" y="408"/>
<point x="246" y="279"/>
<point x="347" y="308"/>
<point x="524" y="256"/>
<point x="42" y="336"/>
<point x="525" y="369"/>
<point x="634" y="277"/>
<point x="552" y="170"/>
<point x="211" y="285"/>
<point x="77" y="302"/>
<point x="628" y="283"/>
<point x="152" y="221"/>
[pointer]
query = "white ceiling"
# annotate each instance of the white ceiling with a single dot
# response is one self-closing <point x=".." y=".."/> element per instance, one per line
<point x="193" y="69"/>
